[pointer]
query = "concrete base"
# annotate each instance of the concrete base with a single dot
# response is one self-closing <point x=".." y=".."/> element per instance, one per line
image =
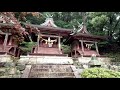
<point x="87" y="59"/>
<point x="5" y="58"/>
<point x="45" y="60"/>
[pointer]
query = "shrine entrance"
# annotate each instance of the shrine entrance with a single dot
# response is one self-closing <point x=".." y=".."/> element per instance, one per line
<point x="48" y="42"/>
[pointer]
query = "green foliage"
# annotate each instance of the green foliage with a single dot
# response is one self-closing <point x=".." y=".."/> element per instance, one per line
<point x="34" y="20"/>
<point x="26" y="47"/>
<point x="99" y="73"/>
<point x="66" y="49"/>
<point x="115" y="57"/>
<point x="99" y="20"/>
<point x="65" y="19"/>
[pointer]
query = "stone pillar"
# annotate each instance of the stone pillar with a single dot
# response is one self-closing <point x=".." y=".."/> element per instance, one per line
<point x="5" y="41"/>
<point x="96" y="47"/>
<point x="82" y="46"/>
<point x="59" y="44"/>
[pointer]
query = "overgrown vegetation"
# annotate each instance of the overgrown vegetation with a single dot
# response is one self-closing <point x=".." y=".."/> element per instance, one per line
<point x="66" y="49"/>
<point x="99" y="73"/>
<point x="26" y="47"/>
<point x="115" y="57"/>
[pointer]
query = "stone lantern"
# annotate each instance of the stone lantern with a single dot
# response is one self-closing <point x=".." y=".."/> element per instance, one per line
<point x="94" y="62"/>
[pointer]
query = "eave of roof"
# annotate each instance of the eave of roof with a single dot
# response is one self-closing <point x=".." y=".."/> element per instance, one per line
<point x="50" y="28"/>
<point x="89" y="35"/>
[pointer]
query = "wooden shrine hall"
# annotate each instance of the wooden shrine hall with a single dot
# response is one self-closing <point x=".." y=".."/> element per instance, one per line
<point x="9" y="27"/>
<point x="49" y="38"/>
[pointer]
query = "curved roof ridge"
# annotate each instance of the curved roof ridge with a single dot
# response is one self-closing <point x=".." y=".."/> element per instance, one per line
<point x="49" y="22"/>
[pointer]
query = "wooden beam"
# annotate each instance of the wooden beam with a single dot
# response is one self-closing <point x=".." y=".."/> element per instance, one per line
<point x="87" y="41"/>
<point x="82" y="46"/>
<point x="49" y="35"/>
<point x="3" y="33"/>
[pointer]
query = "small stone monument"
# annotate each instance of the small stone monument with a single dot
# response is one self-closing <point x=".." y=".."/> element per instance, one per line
<point x="94" y="62"/>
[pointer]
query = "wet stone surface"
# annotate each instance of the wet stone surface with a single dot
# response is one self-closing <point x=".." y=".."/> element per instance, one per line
<point x="51" y="71"/>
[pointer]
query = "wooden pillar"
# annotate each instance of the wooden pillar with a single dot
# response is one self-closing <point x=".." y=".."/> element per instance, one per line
<point x="10" y="42"/>
<point x="38" y="42"/>
<point x="71" y="54"/>
<point x="14" y="50"/>
<point x="82" y="46"/>
<point x="5" y="41"/>
<point x="30" y="38"/>
<point x="75" y="53"/>
<point x="18" y="54"/>
<point x="96" y="47"/>
<point x="59" y="44"/>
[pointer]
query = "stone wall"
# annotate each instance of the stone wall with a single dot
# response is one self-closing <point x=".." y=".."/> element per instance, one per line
<point x="14" y="68"/>
<point x="9" y="67"/>
<point x="87" y="59"/>
<point x="5" y="58"/>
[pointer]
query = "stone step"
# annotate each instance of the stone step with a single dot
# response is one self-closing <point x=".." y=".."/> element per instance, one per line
<point x="45" y="60"/>
<point x="51" y="71"/>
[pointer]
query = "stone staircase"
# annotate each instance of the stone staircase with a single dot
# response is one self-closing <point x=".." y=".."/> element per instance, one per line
<point x="47" y="67"/>
<point x="50" y="71"/>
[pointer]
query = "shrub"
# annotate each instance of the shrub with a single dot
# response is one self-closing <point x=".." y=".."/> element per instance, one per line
<point x="115" y="57"/>
<point x="26" y="47"/>
<point x="66" y="49"/>
<point x="99" y="73"/>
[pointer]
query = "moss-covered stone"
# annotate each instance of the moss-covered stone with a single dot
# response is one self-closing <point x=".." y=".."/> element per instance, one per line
<point x="2" y="73"/>
<point x="16" y="76"/>
<point x="20" y="67"/>
<point x="12" y="71"/>
<point x="9" y="64"/>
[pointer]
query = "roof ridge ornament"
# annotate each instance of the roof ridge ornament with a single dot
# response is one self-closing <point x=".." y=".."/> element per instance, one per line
<point x="49" y="22"/>
<point x="49" y="16"/>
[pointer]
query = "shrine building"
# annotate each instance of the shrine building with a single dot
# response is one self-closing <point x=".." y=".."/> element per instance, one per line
<point x="49" y="38"/>
<point x="9" y="28"/>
